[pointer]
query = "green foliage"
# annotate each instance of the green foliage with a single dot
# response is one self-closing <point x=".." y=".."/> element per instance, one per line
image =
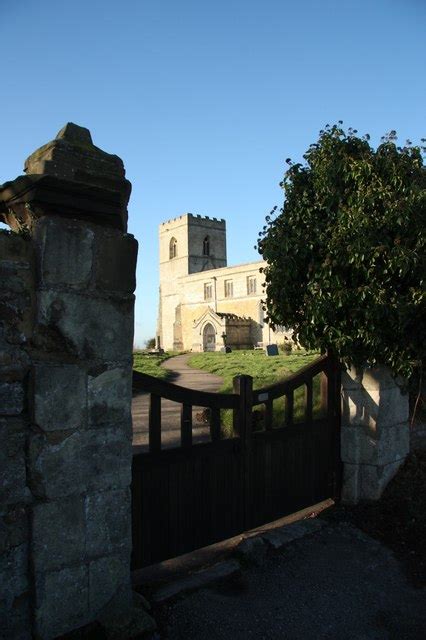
<point x="346" y="253"/>
<point x="150" y="344"/>
<point x="286" y="347"/>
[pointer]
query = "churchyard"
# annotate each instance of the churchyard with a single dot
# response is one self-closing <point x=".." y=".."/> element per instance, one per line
<point x="263" y="369"/>
<point x="82" y="510"/>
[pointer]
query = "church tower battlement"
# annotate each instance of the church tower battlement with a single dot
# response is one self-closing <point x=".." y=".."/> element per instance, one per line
<point x="188" y="244"/>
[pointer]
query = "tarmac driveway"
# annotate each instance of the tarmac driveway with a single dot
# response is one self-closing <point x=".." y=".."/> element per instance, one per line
<point x="338" y="584"/>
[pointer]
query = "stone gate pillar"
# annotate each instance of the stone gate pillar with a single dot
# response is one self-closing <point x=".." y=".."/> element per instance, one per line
<point x="375" y="435"/>
<point x="75" y="400"/>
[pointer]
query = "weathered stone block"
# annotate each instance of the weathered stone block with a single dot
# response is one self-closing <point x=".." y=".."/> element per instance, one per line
<point x="16" y="287"/>
<point x="11" y="398"/>
<point x="14" y="362"/>
<point x="131" y="621"/>
<point x="64" y="464"/>
<point x="14" y="528"/>
<point x="362" y="445"/>
<point x="20" y="332"/>
<point x="14" y="564"/>
<point x="13" y="477"/>
<point x="91" y="327"/>
<point x="375" y="478"/>
<point x="59" y="533"/>
<point x="65" y="252"/>
<point x="375" y="379"/>
<point x="62" y="601"/>
<point x="115" y="265"/>
<point x="252" y="550"/>
<point x="10" y="277"/>
<point x="15" y="247"/>
<point x="57" y="468"/>
<point x="375" y="434"/>
<point x="350" y="483"/>
<point x="374" y="407"/>
<point x="110" y="396"/>
<point x="366" y="481"/>
<point x="91" y="180"/>
<point x="108" y="522"/>
<point x="60" y="397"/>
<point x="15" y="620"/>
<point x="280" y="536"/>
<point x="108" y="455"/>
<point x="16" y="318"/>
<point x="107" y="576"/>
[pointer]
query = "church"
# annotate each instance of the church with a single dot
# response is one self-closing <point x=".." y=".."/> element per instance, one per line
<point x="204" y="304"/>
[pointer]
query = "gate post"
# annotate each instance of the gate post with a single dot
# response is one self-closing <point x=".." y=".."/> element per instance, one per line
<point x="243" y="387"/>
<point x="75" y="392"/>
<point x="375" y="437"/>
<point x="334" y="415"/>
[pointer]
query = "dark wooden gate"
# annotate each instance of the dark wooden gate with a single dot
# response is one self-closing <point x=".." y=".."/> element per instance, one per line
<point x="283" y="456"/>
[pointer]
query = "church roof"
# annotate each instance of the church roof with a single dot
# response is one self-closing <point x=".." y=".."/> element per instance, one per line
<point x="230" y="316"/>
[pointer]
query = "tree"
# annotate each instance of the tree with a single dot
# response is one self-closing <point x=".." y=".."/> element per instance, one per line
<point x="346" y="253"/>
<point x="150" y="343"/>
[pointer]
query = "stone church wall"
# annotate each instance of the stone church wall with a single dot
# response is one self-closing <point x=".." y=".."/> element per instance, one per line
<point x="240" y="304"/>
<point x="186" y="278"/>
<point x="189" y="232"/>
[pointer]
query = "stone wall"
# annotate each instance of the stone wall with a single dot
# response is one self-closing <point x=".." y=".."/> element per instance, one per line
<point x="66" y="371"/>
<point x="16" y="323"/>
<point x="375" y="438"/>
<point x="80" y="443"/>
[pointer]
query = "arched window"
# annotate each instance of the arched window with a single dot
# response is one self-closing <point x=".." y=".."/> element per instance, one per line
<point x="206" y="246"/>
<point x="173" y="248"/>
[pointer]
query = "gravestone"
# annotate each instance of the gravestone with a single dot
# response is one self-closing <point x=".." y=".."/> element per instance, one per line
<point x="271" y="350"/>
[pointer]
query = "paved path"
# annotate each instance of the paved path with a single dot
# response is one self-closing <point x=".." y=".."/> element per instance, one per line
<point x="184" y="376"/>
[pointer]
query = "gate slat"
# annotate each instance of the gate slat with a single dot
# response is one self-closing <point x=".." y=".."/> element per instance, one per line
<point x="308" y="400"/>
<point x="215" y="424"/>
<point x="289" y="405"/>
<point x="186" y="425"/>
<point x="268" y="415"/>
<point x="154" y="423"/>
<point x="324" y="393"/>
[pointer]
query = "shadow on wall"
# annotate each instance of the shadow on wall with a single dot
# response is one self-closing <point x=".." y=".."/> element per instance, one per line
<point x="372" y="399"/>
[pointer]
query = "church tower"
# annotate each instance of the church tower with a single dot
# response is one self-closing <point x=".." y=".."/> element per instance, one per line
<point x="188" y="244"/>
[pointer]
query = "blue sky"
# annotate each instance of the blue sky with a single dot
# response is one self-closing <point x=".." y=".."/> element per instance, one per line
<point x="205" y="100"/>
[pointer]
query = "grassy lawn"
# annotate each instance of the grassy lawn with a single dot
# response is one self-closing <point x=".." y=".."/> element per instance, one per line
<point x="150" y="364"/>
<point x="265" y="370"/>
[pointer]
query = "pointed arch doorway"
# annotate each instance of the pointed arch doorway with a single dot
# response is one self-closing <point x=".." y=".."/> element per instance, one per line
<point x="209" y="338"/>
